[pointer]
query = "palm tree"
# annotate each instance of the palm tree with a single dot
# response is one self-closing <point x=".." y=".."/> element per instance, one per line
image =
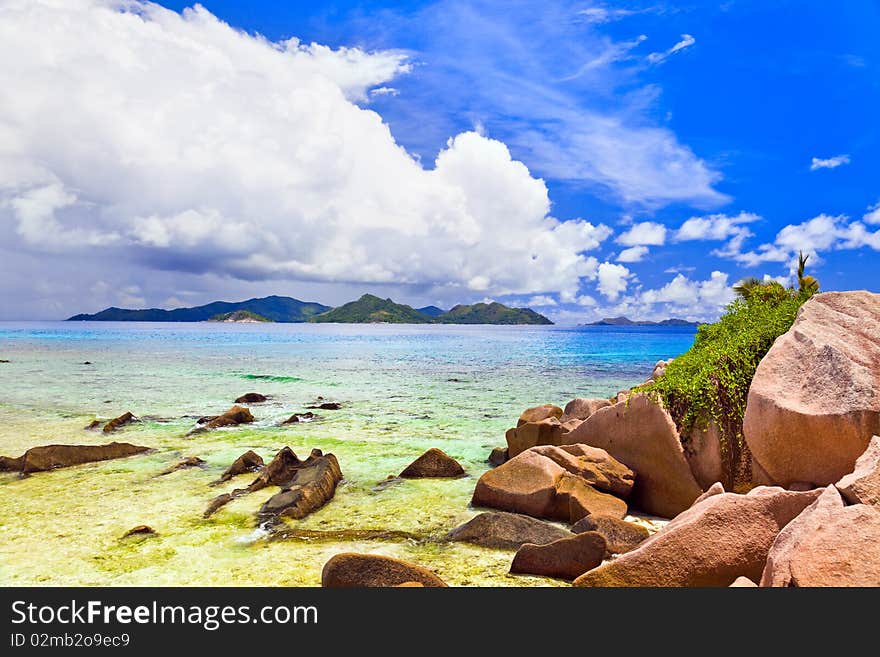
<point x="806" y="284"/>
<point x="747" y="285"/>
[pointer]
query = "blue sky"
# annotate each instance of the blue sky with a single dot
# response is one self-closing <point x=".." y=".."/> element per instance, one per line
<point x="756" y="120"/>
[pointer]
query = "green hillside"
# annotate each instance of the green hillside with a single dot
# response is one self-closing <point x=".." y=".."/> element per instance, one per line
<point x="370" y="309"/>
<point x="274" y="308"/>
<point x="491" y="313"/>
<point x="239" y="316"/>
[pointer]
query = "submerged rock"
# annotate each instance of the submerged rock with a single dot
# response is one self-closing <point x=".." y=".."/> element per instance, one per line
<point x="829" y="544"/>
<point x="189" y="462"/>
<point x="94" y="424"/>
<point x="814" y="402"/>
<point x="620" y="536"/>
<point x="326" y="406"/>
<point x="711" y="544"/>
<point x="250" y="461"/>
<point x="313" y="485"/>
<point x="119" y="422"/>
<point x="206" y="418"/>
<point x="251" y="398"/>
<point x="506" y="531"/>
<point x="142" y="531"/>
<point x="300" y="417"/>
<point x="233" y="417"/>
<point x="433" y="463"/>
<point x="351" y="570"/>
<point x="566" y="558"/>
<point x="51" y="457"/>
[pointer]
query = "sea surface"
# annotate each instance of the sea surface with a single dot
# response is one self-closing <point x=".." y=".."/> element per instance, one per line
<point x="403" y="389"/>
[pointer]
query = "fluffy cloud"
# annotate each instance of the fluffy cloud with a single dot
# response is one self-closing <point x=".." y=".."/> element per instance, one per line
<point x="541" y="300"/>
<point x="829" y="163"/>
<point x="633" y="254"/>
<point x="718" y="227"/>
<point x="612" y="280"/>
<point x="696" y="297"/>
<point x="646" y="233"/>
<point x="180" y="144"/>
<point x="872" y="216"/>
<point x="686" y="42"/>
<point x="821" y="233"/>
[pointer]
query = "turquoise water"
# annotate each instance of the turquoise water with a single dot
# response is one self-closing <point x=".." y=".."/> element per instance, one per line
<point x="403" y="389"/>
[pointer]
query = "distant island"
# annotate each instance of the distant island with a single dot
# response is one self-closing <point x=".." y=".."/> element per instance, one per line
<point x="240" y="316"/>
<point x="625" y="321"/>
<point x="369" y="309"/>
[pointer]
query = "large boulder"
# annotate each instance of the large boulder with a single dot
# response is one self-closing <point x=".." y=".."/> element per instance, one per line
<point x="312" y="486"/>
<point x="582" y="407"/>
<point x="620" y="536"/>
<point x="702" y="449"/>
<point x="51" y="457"/>
<point x="350" y="570"/>
<point x="554" y="482"/>
<point x="595" y="466"/>
<point x="566" y="558"/>
<point x="433" y="463"/>
<point x="814" y="402"/>
<point x="525" y="484"/>
<point x="575" y="499"/>
<point x="642" y="435"/>
<point x="829" y="544"/>
<point x="723" y="537"/>
<point x="506" y="531"/>
<point x="538" y="413"/>
<point x="526" y="435"/>
<point x="862" y="485"/>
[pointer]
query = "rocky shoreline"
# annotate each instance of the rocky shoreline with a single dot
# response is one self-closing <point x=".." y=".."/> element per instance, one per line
<point x="566" y="491"/>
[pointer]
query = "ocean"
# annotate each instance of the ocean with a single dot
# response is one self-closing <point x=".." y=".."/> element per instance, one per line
<point x="403" y="389"/>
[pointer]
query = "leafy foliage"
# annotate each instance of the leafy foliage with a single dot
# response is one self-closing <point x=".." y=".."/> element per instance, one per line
<point x="710" y="382"/>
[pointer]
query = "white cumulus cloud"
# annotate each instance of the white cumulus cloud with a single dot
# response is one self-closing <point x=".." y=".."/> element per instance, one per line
<point x="179" y="143"/>
<point x="633" y="254"/>
<point x="872" y="216"/>
<point x="612" y="280"/>
<point x="646" y="233"/>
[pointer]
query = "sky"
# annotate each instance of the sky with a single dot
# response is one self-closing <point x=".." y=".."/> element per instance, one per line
<point x="586" y="159"/>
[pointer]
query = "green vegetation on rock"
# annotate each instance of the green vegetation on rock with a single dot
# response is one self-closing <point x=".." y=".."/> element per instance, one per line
<point x="710" y="382"/>
<point x="273" y="308"/>
<point x="491" y="313"/>
<point x="239" y="316"/>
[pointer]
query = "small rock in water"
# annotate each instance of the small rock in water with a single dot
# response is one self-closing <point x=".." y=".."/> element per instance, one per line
<point x="251" y="398"/>
<point x="94" y="424"/>
<point x="433" y="463"/>
<point x="3" y="360"/>
<point x="206" y="418"/>
<point x="189" y="462"/>
<point x="498" y="456"/>
<point x="300" y="417"/>
<point x="87" y="362"/>
<point x="250" y="461"/>
<point x="326" y="406"/>
<point x="143" y="531"/>
<point x="350" y="570"/>
<point x="51" y="457"/>
<point x="119" y="422"/>
<point x="234" y="416"/>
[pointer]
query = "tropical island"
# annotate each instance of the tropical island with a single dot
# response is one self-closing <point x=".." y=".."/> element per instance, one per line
<point x="369" y="309"/>
<point x="626" y="321"/>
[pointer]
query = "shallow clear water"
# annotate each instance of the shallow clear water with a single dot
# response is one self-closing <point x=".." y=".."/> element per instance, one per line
<point x="403" y="389"/>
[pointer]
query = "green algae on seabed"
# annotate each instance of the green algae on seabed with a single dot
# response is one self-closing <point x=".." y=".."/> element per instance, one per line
<point x="64" y="527"/>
